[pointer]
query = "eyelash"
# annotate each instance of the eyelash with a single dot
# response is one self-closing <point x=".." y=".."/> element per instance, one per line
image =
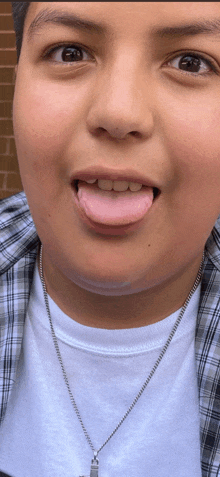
<point x="200" y="57"/>
<point x="64" y="45"/>
<point x="48" y="54"/>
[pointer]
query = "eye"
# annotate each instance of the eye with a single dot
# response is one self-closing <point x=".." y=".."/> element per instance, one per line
<point x="193" y="63"/>
<point x="67" y="54"/>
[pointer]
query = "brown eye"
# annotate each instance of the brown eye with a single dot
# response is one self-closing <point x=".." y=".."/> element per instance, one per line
<point x="68" y="54"/>
<point x="192" y="63"/>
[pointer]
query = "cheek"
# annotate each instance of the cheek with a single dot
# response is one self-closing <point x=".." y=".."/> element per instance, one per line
<point x="190" y="128"/>
<point x="192" y="138"/>
<point x="45" y="117"/>
<point x="193" y="129"/>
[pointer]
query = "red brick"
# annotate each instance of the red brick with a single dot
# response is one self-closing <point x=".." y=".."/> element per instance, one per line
<point x="7" y="40"/>
<point x="6" y="127"/>
<point x="3" y="145"/>
<point x="13" y="181"/>
<point x="6" y="22"/>
<point x="6" y="92"/>
<point x="2" y="179"/>
<point x="7" y="75"/>
<point x="8" y="164"/>
<point x="8" y="57"/>
<point x="12" y="147"/>
<point x="4" y="163"/>
<point x="6" y="109"/>
<point x="5" y="7"/>
<point x="5" y="193"/>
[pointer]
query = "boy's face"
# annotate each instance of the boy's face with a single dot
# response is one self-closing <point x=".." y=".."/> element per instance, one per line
<point x="127" y="104"/>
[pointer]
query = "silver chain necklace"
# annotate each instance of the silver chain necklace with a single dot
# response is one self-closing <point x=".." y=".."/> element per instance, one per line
<point x="95" y="461"/>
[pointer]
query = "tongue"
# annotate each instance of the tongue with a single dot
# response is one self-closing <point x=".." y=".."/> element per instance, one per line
<point x="111" y="207"/>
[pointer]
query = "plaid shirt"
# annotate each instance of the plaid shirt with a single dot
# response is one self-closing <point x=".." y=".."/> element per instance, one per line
<point x="19" y="244"/>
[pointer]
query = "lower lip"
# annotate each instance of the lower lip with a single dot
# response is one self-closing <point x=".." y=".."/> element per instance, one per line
<point x="121" y="230"/>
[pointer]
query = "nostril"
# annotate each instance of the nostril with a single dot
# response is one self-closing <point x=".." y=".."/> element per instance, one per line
<point x="135" y="134"/>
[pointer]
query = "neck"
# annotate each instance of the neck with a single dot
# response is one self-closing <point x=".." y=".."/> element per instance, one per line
<point x="118" y="312"/>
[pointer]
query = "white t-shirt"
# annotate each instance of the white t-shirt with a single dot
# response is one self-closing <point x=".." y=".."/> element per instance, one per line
<point x="41" y="434"/>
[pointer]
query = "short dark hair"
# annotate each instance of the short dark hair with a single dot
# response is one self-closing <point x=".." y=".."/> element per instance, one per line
<point x="19" y="12"/>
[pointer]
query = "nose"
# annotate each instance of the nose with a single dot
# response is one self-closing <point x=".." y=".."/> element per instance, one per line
<point x="122" y="102"/>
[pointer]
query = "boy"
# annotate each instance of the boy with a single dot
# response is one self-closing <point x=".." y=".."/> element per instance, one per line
<point x="110" y="261"/>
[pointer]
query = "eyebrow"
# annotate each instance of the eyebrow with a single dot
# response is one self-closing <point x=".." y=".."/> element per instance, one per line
<point x="208" y="27"/>
<point x="63" y="18"/>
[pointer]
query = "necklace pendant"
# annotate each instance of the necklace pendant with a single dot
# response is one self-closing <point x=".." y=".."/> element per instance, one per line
<point x="94" y="467"/>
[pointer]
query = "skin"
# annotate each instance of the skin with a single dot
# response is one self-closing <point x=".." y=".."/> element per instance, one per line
<point x="69" y="117"/>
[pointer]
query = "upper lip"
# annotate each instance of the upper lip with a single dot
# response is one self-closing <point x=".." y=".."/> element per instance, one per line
<point x="98" y="172"/>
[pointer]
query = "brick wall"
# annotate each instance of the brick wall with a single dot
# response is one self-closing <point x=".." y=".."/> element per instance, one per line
<point x="10" y="182"/>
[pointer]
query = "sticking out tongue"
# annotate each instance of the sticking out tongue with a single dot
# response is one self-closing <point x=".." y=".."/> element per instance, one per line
<point x="111" y="207"/>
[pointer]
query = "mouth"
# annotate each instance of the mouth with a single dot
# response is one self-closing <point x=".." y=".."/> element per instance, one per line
<point x="107" y="184"/>
<point x="110" y="202"/>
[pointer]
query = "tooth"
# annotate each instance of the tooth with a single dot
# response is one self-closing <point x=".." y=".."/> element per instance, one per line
<point x="91" y="181"/>
<point x="134" y="186"/>
<point x="120" y="185"/>
<point x="105" y="184"/>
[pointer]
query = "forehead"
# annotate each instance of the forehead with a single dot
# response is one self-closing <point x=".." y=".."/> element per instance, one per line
<point x="139" y="17"/>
